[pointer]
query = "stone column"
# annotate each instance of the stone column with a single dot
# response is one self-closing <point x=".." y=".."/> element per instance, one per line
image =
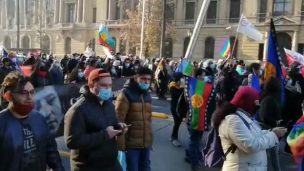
<point x="25" y="14"/>
<point x="117" y="44"/>
<point x="127" y="47"/>
<point x="61" y="12"/>
<point x="84" y="12"/>
<point x="112" y="10"/>
<point x="15" y="17"/>
<point x="56" y="11"/>
<point x="35" y="12"/>
<point x="295" y="41"/>
<point x="270" y="7"/>
<point x="265" y="46"/>
<point x="223" y="15"/>
<point x="79" y="11"/>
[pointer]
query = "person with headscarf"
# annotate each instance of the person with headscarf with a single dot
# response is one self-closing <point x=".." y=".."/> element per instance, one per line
<point x="238" y="131"/>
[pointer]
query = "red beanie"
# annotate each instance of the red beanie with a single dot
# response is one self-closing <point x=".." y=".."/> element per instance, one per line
<point x="245" y="99"/>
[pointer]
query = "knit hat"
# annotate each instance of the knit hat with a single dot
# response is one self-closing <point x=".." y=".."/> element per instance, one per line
<point x="95" y="74"/>
<point x="245" y="98"/>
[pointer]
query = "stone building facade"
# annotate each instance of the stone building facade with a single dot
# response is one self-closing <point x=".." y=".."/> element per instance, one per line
<point x="65" y="26"/>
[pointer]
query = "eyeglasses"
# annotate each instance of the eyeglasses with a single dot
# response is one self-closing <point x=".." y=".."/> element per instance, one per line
<point x="25" y="92"/>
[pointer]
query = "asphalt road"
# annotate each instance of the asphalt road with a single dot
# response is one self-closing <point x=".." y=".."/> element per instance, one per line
<point x="165" y="156"/>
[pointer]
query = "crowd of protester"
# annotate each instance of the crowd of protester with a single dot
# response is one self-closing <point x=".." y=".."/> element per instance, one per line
<point x="251" y="123"/>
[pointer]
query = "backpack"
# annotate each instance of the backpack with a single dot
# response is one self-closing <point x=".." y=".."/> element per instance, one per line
<point x="213" y="153"/>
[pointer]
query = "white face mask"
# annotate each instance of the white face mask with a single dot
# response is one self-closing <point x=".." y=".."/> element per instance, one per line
<point x="182" y="82"/>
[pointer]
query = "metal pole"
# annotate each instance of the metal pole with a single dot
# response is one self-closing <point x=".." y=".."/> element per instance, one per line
<point x="142" y="29"/>
<point x="236" y="38"/>
<point x="162" y="37"/>
<point x="197" y="28"/>
<point x="18" y="26"/>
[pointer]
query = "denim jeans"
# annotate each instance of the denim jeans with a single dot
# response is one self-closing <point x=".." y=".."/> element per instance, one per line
<point x="194" y="151"/>
<point x="138" y="159"/>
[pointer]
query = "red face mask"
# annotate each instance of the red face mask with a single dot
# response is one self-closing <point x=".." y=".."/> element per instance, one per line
<point x="23" y="109"/>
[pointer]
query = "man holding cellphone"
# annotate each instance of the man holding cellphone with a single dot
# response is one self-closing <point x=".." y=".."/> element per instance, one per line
<point x="91" y="127"/>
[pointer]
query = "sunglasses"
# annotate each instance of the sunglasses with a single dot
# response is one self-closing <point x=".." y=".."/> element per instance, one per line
<point x="25" y="92"/>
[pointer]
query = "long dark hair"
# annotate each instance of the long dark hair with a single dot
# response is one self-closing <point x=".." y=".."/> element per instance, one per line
<point x="272" y="87"/>
<point x="220" y="113"/>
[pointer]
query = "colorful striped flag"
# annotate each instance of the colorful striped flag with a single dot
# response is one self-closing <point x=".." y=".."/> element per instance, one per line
<point x="226" y="48"/>
<point x="198" y="93"/>
<point x="185" y="67"/>
<point x="295" y="140"/>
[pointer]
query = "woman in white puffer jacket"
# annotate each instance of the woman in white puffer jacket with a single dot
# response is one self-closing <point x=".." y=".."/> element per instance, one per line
<point x="235" y="126"/>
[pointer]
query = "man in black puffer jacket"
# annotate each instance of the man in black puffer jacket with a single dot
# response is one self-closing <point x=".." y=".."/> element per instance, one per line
<point x="91" y="127"/>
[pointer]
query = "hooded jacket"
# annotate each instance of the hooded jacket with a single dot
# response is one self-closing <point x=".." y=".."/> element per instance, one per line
<point x="133" y="106"/>
<point x="85" y="134"/>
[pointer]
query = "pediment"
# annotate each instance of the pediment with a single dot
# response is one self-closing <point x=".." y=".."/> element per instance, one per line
<point x="282" y="20"/>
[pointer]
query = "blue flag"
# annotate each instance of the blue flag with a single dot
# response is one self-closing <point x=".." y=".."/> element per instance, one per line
<point x="273" y="66"/>
<point x="255" y="82"/>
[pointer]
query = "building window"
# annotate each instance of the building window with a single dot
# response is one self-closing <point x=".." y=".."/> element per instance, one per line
<point x="282" y="7"/>
<point x="46" y="44"/>
<point x="212" y="12"/>
<point x="235" y="44"/>
<point x="301" y="48"/>
<point x="235" y="8"/>
<point x="261" y="51"/>
<point x="190" y="12"/>
<point x="168" y="47"/>
<point x="25" y="42"/>
<point x="209" y="47"/>
<point x="262" y="11"/>
<point x="68" y="42"/>
<point x="7" y="42"/>
<point x="170" y="12"/>
<point x="71" y="13"/>
<point x="186" y="43"/>
<point x="94" y="15"/>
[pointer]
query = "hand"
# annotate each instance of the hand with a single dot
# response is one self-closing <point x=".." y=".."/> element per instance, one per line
<point x="112" y="132"/>
<point x="124" y="127"/>
<point x="279" y="131"/>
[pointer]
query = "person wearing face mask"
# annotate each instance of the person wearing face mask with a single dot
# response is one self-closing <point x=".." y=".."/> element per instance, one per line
<point x="26" y="140"/>
<point x="128" y="68"/>
<point x="56" y="73"/>
<point x="133" y="106"/>
<point x="237" y="129"/>
<point x="178" y="106"/>
<point x="91" y="126"/>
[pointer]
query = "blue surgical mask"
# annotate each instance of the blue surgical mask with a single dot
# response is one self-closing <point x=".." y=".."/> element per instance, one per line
<point x="80" y="74"/>
<point x="105" y="94"/>
<point x="144" y="86"/>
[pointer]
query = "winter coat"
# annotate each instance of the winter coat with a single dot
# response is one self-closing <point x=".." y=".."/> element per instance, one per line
<point x="179" y="106"/>
<point x="85" y="134"/>
<point x="12" y="142"/>
<point x="133" y="106"/>
<point x="56" y="75"/>
<point x="252" y="143"/>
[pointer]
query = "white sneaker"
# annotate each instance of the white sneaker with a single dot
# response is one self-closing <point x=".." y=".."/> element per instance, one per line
<point x="176" y="143"/>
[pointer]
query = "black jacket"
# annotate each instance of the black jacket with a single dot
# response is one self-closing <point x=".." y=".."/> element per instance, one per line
<point x="12" y="142"/>
<point x="269" y="112"/>
<point x="85" y="134"/>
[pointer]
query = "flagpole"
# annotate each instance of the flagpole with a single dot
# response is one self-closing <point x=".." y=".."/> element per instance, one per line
<point x="236" y="38"/>
<point x="142" y="30"/>
<point x="197" y="28"/>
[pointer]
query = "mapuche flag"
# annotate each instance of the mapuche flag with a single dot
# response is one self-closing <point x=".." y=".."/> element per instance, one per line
<point x="198" y="93"/>
<point x="273" y="66"/>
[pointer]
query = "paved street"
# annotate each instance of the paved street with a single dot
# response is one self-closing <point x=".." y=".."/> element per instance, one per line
<point x="166" y="157"/>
